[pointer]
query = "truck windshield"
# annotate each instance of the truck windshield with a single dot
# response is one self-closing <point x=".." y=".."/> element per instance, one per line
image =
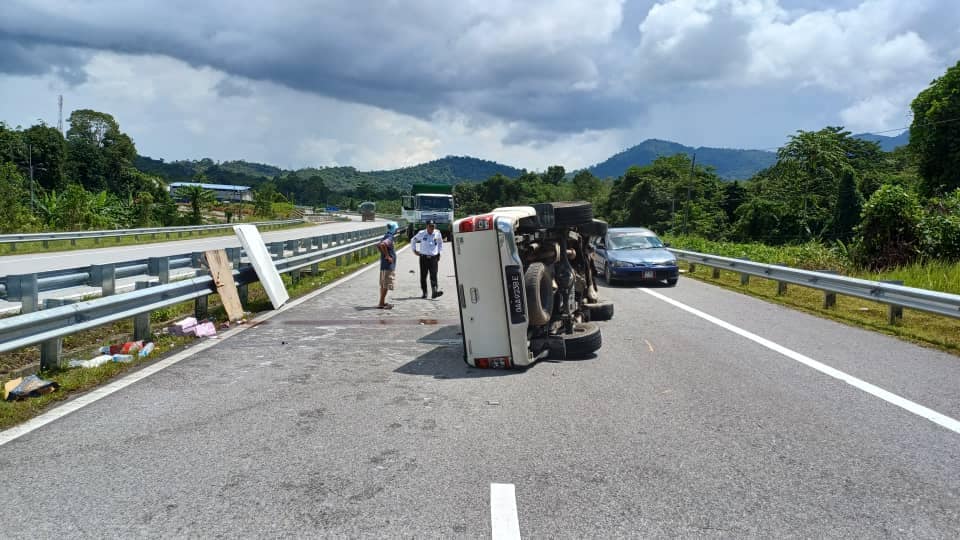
<point x="436" y="204"/>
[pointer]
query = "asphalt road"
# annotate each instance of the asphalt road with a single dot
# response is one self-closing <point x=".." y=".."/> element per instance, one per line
<point x="41" y="262"/>
<point x="333" y="419"/>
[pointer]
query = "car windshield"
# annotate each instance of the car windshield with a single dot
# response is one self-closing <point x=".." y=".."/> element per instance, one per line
<point x="436" y="204"/>
<point x="634" y="241"/>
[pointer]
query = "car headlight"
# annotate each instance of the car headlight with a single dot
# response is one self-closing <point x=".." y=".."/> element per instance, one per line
<point x="621" y="264"/>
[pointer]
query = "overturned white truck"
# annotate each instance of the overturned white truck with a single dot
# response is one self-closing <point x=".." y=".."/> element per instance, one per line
<point x="527" y="290"/>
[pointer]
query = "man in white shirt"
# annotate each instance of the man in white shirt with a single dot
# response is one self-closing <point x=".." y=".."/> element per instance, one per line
<point x="427" y="244"/>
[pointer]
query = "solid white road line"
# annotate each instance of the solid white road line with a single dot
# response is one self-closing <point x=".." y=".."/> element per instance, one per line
<point x="876" y="391"/>
<point x="504" y="522"/>
<point x="104" y="391"/>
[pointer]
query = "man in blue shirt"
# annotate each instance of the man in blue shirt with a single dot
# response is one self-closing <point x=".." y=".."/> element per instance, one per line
<point x="388" y="265"/>
<point x="427" y="244"/>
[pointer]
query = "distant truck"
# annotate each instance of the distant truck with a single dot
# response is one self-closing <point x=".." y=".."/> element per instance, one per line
<point x="428" y="202"/>
<point x="368" y="211"/>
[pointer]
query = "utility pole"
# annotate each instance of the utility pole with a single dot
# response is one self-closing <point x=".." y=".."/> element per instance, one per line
<point x="33" y="204"/>
<point x="686" y="210"/>
<point x="60" y="115"/>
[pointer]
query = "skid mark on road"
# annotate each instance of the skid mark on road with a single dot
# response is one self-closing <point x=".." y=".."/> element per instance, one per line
<point x="905" y="404"/>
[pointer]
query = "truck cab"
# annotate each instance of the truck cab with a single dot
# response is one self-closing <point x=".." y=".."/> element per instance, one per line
<point x="428" y="202"/>
<point x="525" y="287"/>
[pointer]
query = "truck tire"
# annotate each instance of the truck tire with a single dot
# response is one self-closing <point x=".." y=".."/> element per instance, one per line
<point x="572" y="214"/>
<point x="539" y="288"/>
<point x="584" y="341"/>
<point x="601" y="311"/>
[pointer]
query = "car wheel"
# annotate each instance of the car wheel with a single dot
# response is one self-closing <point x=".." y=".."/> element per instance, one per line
<point x="539" y="288"/>
<point x="571" y="214"/>
<point x="672" y="282"/>
<point x="606" y="274"/>
<point x="601" y="311"/>
<point x="584" y="341"/>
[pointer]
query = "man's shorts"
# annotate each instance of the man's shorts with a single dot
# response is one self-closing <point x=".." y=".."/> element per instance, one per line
<point x="387" y="279"/>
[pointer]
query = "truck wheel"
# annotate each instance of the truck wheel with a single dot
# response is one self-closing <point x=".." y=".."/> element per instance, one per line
<point x="584" y="341"/>
<point x="571" y="214"/>
<point x="601" y="311"/>
<point x="539" y="288"/>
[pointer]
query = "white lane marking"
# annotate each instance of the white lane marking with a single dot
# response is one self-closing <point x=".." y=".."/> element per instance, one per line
<point x="504" y="522"/>
<point x="876" y="391"/>
<point x="104" y="391"/>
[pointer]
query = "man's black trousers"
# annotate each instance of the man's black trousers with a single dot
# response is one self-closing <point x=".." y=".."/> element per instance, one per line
<point x="428" y="263"/>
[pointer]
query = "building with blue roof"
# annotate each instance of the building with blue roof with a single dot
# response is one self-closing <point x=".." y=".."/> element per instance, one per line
<point x="223" y="192"/>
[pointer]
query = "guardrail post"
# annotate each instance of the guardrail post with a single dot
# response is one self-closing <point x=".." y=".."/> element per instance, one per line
<point x="894" y="313"/>
<point x="692" y="268"/>
<point x="141" y="322"/>
<point x="73" y="241"/>
<point x="829" y="298"/>
<point x="781" y="285"/>
<point x="23" y="289"/>
<point x="160" y="267"/>
<point x="46" y="244"/>
<point x="233" y="254"/>
<point x="201" y="307"/>
<point x="293" y="245"/>
<point x="51" y="349"/>
<point x="196" y="260"/>
<point x="744" y="278"/>
<point x="716" y="273"/>
<point x="276" y="249"/>
<point x="105" y="277"/>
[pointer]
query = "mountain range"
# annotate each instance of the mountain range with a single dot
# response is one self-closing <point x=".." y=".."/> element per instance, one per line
<point x="727" y="162"/>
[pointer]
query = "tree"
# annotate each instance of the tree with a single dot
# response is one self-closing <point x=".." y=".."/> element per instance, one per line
<point x="889" y="233"/>
<point x="586" y="186"/>
<point x="14" y="205"/>
<point x="935" y="133"/>
<point x="47" y="154"/>
<point x="554" y="174"/>
<point x="733" y="196"/>
<point x="846" y="215"/>
<point x="199" y="199"/>
<point x="263" y="199"/>
<point x="98" y="152"/>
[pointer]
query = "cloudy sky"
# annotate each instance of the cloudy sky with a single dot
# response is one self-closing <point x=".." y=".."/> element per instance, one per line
<point x="385" y="83"/>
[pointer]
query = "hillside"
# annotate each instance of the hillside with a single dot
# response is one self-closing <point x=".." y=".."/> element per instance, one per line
<point x="448" y="170"/>
<point x="729" y="163"/>
<point x="888" y="144"/>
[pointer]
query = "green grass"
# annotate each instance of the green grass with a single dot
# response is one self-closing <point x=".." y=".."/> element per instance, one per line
<point x="919" y="327"/>
<point x="86" y="344"/>
<point x="89" y="243"/>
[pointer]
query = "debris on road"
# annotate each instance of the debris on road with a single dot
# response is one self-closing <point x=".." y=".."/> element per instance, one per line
<point x="96" y="361"/>
<point x="183" y="327"/>
<point x="30" y="386"/>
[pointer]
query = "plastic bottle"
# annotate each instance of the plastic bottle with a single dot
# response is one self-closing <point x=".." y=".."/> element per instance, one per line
<point x="146" y="350"/>
<point x="122" y="357"/>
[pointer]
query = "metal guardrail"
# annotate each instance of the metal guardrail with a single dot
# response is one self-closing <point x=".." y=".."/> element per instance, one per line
<point x="892" y="293"/>
<point x="48" y="326"/>
<point x="73" y="236"/>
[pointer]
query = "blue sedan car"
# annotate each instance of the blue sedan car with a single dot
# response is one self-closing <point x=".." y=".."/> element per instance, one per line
<point x="634" y="254"/>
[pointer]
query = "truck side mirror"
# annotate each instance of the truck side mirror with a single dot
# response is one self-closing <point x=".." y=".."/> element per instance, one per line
<point x="407" y="202"/>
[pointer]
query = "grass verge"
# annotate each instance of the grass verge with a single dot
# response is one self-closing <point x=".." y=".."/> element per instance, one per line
<point x="84" y="345"/>
<point x="916" y="326"/>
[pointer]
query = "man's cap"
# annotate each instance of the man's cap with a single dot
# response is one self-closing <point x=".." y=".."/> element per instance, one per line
<point x="391" y="227"/>
<point x="430" y="222"/>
